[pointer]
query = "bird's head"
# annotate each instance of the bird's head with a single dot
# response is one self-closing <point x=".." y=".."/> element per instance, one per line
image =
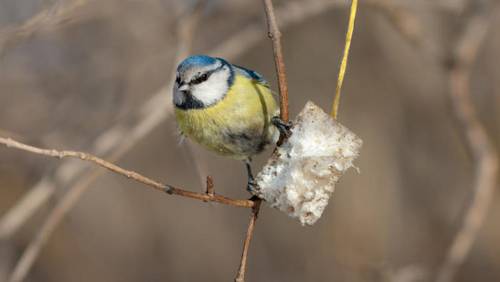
<point x="201" y="81"/>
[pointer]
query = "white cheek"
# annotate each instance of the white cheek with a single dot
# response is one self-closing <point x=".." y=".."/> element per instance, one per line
<point x="212" y="90"/>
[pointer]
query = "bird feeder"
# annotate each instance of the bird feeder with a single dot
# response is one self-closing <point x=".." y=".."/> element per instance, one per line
<point x="300" y="176"/>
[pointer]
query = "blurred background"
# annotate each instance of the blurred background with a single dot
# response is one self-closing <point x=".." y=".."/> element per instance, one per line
<point x="87" y="75"/>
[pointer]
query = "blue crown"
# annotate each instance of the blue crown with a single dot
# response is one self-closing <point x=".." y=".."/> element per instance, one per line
<point x="196" y="60"/>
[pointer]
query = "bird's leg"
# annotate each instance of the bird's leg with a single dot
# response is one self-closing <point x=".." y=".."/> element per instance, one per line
<point x="283" y="126"/>
<point x="251" y="184"/>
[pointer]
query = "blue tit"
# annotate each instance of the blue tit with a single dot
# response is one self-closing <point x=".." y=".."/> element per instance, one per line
<point x="226" y="108"/>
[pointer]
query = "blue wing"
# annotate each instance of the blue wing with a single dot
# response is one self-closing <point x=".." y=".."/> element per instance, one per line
<point x="251" y="74"/>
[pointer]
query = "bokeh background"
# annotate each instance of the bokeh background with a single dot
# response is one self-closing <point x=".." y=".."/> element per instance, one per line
<point x="65" y="83"/>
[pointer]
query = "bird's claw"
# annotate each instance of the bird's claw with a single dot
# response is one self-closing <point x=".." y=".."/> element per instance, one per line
<point x="254" y="198"/>
<point x="284" y="127"/>
<point x="252" y="186"/>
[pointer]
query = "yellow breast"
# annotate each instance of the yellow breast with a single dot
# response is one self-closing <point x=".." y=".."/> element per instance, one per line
<point x="237" y="126"/>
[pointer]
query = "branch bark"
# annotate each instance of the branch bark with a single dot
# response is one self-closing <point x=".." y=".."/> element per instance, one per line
<point x="275" y="36"/>
<point x="240" y="276"/>
<point x="156" y="185"/>
<point x="485" y="157"/>
<point x="31" y="253"/>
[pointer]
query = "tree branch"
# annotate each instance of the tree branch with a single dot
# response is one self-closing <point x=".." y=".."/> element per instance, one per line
<point x="60" y="13"/>
<point x="31" y="253"/>
<point x="275" y="36"/>
<point x="485" y="157"/>
<point x="156" y="185"/>
<point x="240" y="276"/>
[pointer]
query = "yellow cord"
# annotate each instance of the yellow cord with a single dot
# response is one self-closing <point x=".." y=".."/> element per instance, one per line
<point x="343" y="64"/>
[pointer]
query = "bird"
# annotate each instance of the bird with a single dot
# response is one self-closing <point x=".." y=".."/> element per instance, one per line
<point x="226" y="108"/>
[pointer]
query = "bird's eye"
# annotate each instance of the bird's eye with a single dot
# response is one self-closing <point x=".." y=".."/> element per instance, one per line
<point x="200" y="79"/>
<point x="178" y="79"/>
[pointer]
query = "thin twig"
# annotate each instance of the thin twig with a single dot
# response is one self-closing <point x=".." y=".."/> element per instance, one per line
<point x="343" y="64"/>
<point x="169" y="189"/>
<point x="27" y="259"/>
<point x="29" y="256"/>
<point x="240" y="276"/>
<point x="403" y="20"/>
<point x="210" y="186"/>
<point x="275" y="36"/>
<point x="476" y="139"/>
<point x="60" y="13"/>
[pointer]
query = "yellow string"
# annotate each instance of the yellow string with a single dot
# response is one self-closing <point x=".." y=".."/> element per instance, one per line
<point x="343" y="64"/>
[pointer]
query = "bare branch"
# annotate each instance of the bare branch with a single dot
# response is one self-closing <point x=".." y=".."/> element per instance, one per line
<point x="475" y="138"/>
<point x="275" y="36"/>
<point x="169" y="189"/>
<point x="403" y="20"/>
<point x="210" y="186"/>
<point x="60" y="13"/>
<point x="23" y="209"/>
<point x="240" y="276"/>
<point x="31" y="253"/>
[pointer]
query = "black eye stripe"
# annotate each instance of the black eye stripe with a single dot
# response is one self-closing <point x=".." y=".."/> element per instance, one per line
<point x="203" y="77"/>
<point x="199" y="79"/>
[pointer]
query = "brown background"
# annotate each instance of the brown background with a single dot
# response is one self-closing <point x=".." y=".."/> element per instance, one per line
<point x="62" y="87"/>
